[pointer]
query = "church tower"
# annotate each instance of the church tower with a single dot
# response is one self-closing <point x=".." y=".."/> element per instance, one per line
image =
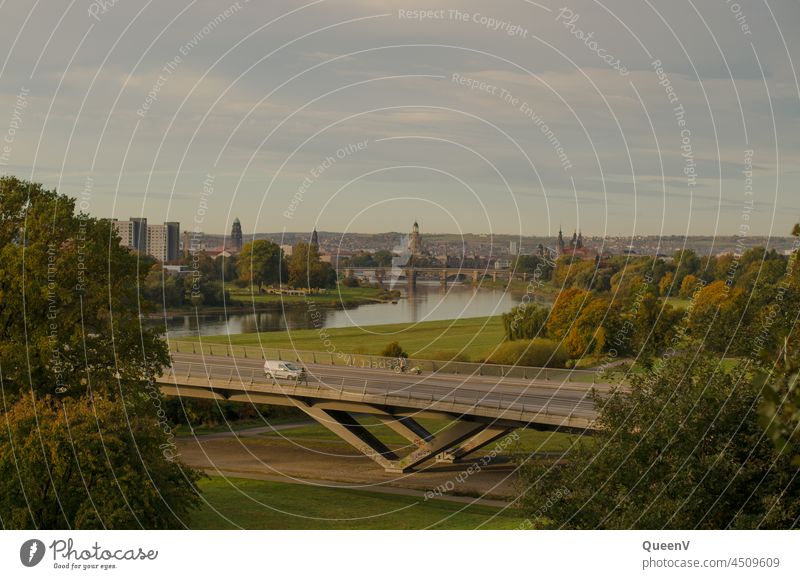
<point x="236" y="236"/>
<point x="560" y="241"/>
<point x="315" y="239"/>
<point x="415" y="241"/>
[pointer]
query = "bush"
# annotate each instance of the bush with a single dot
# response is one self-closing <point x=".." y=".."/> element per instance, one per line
<point x="393" y="350"/>
<point x="537" y="352"/>
<point x="350" y="281"/>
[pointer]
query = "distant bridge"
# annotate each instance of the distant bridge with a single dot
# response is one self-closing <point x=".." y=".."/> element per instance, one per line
<point x="443" y="274"/>
<point x="478" y="409"/>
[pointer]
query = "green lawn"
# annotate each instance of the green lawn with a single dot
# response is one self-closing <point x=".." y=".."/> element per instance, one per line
<point x="435" y="340"/>
<point x="253" y="504"/>
<point x="529" y="440"/>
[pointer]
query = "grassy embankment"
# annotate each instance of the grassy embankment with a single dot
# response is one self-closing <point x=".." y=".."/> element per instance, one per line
<point x="466" y="339"/>
<point x="255" y="504"/>
<point x="341" y="296"/>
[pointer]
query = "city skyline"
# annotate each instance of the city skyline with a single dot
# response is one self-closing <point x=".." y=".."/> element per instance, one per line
<point x="364" y="114"/>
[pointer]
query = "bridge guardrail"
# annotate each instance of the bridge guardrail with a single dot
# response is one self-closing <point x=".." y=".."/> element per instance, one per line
<point x="381" y="362"/>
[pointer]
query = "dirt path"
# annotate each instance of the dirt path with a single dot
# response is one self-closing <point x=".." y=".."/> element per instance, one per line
<point x="334" y="464"/>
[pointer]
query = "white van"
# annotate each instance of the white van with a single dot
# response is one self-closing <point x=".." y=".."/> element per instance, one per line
<point x="286" y="370"/>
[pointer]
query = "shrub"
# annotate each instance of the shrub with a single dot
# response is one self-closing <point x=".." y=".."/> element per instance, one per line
<point x="350" y="281"/>
<point x="393" y="350"/>
<point x="536" y="352"/>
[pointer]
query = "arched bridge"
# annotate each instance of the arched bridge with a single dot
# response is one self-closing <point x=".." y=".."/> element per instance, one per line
<point x="443" y="274"/>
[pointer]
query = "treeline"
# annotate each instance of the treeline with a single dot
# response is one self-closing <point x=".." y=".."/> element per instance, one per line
<point x="615" y="306"/>
<point x="260" y="264"/>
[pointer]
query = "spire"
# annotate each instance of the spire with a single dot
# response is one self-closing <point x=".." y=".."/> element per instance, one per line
<point x="314" y="238"/>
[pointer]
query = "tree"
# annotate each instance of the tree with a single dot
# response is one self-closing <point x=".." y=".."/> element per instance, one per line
<point x="307" y="270"/>
<point x="665" y="285"/>
<point x="566" y="310"/>
<point x="689" y="285"/>
<point x="682" y="450"/>
<point x="69" y="326"/>
<point x="261" y="262"/>
<point x="89" y="463"/>
<point x="525" y="322"/>
<point x="69" y="299"/>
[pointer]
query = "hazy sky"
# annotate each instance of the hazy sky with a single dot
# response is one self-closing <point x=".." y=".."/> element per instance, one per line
<point x="363" y="116"/>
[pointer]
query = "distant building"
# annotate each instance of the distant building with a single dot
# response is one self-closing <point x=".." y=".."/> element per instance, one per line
<point x="125" y="231"/>
<point x="315" y="239"/>
<point x="287" y="249"/>
<point x="139" y="241"/>
<point x="163" y="241"/>
<point x="415" y="241"/>
<point x="192" y="242"/>
<point x="236" y="236"/>
<point x="157" y="241"/>
<point x="513" y="248"/>
<point x="173" y="240"/>
<point x="575" y="246"/>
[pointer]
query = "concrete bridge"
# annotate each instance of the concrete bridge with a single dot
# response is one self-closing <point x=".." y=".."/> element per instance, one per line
<point x="443" y="274"/>
<point x="478" y="409"/>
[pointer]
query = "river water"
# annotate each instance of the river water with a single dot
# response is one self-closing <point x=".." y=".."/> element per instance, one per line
<point x="427" y="302"/>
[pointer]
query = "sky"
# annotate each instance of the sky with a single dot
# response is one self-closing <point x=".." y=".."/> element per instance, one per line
<point x="674" y="117"/>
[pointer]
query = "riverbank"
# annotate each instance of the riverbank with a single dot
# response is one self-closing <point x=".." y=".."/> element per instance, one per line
<point x="467" y="339"/>
<point x="243" y="301"/>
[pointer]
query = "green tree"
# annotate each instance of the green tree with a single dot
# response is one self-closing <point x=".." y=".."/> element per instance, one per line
<point x="89" y="463"/>
<point x="307" y="270"/>
<point x="525" y="322"/>
<point x="69" y="326"/>
<point x="682" y="450"/>
<point x="261" y="262"/>
<point x="69" y="299"/>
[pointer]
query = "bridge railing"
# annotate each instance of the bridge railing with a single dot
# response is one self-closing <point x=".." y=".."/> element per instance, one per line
<point x="381" y="362"/>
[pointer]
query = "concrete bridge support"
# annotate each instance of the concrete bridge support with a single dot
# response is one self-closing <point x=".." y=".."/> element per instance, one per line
<point x="477" y="442"/>
<point x="411" y="277"/>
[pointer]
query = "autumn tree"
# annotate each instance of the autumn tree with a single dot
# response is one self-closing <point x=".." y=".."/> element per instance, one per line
<point x="565" y="311"/>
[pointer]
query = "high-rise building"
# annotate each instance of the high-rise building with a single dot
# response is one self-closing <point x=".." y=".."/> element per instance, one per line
<point x="125" y="231"/>
<point x="157" y="241"/>
<point x="513" y="248"/>
<point x="139" y="241"/>
<point x="173" y="240"/>
<point x="236" y="235"/>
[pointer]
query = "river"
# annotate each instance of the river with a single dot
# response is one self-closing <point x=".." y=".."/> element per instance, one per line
<point x="428" y="302"/>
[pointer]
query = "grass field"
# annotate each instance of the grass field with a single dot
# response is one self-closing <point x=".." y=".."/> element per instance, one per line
<point x="471" y="338"/>
<point x="253" y="504"/>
